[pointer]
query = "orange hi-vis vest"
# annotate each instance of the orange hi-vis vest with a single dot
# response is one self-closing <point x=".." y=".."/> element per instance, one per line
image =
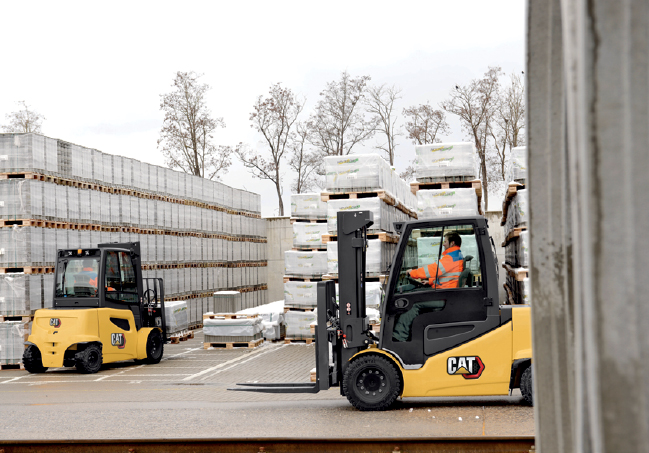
<point x="451" y="266"/>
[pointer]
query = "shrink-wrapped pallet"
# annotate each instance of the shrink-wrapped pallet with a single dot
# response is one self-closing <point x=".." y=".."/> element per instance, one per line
<point x="301" y="294"/>
<point x="298" y="323"/>
<point x="272" y="316"/>
<point x="308" y="235"/>
<point x="428" y="250"/>
<point x="12" y="342"/>
<point x="21" y="246"/>
<point x="517" y="212"/>
<point x="384" y="214"/>
<point x="518" y="165"/>
<point x="176" y="315"/>
<point x="14" y="294"/>
<point x="307" y="264"/>
<point x="227" y="301"/>
<point x="447" y="203"/>
<point x="26" y="153"/>
<point x="373" y="294"/>
<point x="222" y="330"/>
<point x="377" y="257"/>
<point x="21" y="199"/>
<point x="522" y="249"/>
<point x="443" y="160"/>
<point x="357" y="173"/>
<point x="308" y="205"/>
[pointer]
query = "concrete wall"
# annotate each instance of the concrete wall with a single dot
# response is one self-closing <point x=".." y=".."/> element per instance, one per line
<point x="280" y="239"/>
<point x="588" y="131"/>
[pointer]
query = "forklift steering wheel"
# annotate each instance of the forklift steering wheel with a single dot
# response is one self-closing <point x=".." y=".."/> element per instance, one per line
<point x="415" y="282"/>
<point x="150" y="297"/>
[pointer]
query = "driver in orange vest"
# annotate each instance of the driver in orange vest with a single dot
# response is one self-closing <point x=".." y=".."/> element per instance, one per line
<point x="88" y="274"/>
<point x="444" y="274"/>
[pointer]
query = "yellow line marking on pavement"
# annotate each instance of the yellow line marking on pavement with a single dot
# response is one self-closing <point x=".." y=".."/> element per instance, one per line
<point x="221" y="365"/>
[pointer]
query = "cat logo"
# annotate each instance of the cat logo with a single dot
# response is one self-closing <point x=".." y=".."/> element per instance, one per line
<point x="118" y="339"/>
<point x="55" y="322"/>
<point x="470" y="367"/>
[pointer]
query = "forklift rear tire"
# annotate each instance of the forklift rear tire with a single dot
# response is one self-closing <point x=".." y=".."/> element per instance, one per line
<point x="526" y="386"/>
<point x="371" y="383"/>
<point x="89" y="360"/>
<point x="154" y="347"/>
<point x="32" y="360"/>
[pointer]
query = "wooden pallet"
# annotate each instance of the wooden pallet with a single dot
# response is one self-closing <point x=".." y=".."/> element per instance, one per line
<point x="519" y="274"/>
<point x="21" y="318"/>
<point x="19" y="175"/>
<point x="232" y="345"/>
<point x="22" y="222"/>
<point x="299" y="340"/>
<point x="516" y="232"/>
<point x="12" y="366"/>
<point x="510" y="294"/>
<point x="310" y="249"/>
<point x="512" y="190"/>
<point x="288" y="307"/>
<point x="314" y="375"/>
<point x="183" y="336"/>
<point x="369" y="277"/>
<point x="291" y="278"/>
<point x="306" y="220"/>
<point x="228" y="316"/>
<point x="375" y="327"/>
<point x="27" y="270"/>
<point x="351" y="195"/>
<point x="383" y="236"/>
<point x="473" y="184"/>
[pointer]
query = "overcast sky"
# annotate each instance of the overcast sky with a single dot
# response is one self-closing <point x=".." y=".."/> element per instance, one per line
<point x="96" y="69"/>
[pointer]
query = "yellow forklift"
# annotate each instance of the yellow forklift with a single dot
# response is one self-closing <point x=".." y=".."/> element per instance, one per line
<point x="436" y="339"/>
<point x="103" y="312"/>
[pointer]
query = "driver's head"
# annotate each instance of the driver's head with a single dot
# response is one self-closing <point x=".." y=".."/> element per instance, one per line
<point x="452" y="239"/>
<point x="88" y="265"/>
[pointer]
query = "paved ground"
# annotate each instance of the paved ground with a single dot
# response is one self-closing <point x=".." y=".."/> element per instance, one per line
<point x="186" y="395"/>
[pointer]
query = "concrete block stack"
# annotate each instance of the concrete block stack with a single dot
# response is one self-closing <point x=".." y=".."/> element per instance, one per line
<point x="514" y="220"/>
<point x="198" y="235"/>
<point x="230" y="330"/>
<point x="447" y="183"/>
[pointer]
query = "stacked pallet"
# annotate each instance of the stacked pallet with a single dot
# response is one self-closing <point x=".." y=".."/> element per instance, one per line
<point x="231" y="330"/>
<point x="200" y="236"/>
<point x="514" y="221"/>
<point x="446" y="181"/>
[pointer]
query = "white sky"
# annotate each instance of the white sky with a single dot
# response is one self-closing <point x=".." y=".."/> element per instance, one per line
<point x="96" y="70"/>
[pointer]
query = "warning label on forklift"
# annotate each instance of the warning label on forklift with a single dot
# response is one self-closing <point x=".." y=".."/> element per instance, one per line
<point x="470" y="367"/>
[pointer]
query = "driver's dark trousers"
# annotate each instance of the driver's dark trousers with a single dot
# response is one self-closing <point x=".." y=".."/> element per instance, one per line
<point x="403" y="325"/>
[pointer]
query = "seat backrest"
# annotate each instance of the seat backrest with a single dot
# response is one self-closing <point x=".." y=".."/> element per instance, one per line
<point x="465" y="277"/>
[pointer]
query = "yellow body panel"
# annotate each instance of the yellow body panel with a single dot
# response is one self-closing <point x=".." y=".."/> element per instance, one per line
<point x="497" y="350"/>
<point x="87" y="325"/>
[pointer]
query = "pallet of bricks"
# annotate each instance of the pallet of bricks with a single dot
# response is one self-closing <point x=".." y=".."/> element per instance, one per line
<point x="366" y="182"/>
<point x="227" y="327"/>
<point x="199" y="236"/>
<point x="514" y="221"/>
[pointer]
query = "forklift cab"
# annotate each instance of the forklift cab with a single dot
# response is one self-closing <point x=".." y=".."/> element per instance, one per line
<point x="424" y="318"/>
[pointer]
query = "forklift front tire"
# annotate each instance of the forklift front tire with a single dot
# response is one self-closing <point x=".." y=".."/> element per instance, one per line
<point x="154" y="347"/>
<point x="526" y="386"/>
<point x="371" y="383"/>
<point x="32" y="360"/>
<point x="89" y="360"/>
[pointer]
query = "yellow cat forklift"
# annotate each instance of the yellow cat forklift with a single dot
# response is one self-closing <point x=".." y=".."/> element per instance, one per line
<point x="103" y="311"/>
<point x="436" y="340"/>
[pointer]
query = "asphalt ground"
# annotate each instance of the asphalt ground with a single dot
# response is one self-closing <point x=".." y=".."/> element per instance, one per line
<point x="186" y="396"/>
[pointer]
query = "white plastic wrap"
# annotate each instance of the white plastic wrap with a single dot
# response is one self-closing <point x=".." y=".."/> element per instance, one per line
<point x="357" y="172"/>
<point x="240" y="327"/>
<point x="446" y="203"/>
<point x="14" y="294"/>
<point x="272" y="318"/>
<point x="308" y="235"/>
<point x="305" y="263"/>
<point x="428" y="250"/>
<point x="517" y="213"/>
<point x="176" y="315"/>
<point x="377" y="258"/>
<point x="308" y="205"/>
<point x="523" y="246"/>
<point x="518" y="165"/>
<point x="384" y="214"/>
<point x="301" y="294"/>
<point x="442" y="160"/>
<point x="298" y="323"/>
<point x="12" y="339"/>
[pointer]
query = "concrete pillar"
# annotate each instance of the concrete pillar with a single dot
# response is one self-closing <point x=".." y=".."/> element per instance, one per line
<point x="279" y="232"/>
<point x="588" y="123"/>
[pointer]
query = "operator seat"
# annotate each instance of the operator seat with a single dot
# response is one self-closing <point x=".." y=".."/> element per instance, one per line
<point x="466" y="279"/>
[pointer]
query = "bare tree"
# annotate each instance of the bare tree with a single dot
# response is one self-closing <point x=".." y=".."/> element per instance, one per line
<point x="475" y="104"/>
<point x="273" y="118"/>
<point x="509" y="122"/>
<point x="303" y="161"/>
<point x="339" y="123"/>
<point x="425" y="124"/>
<point x="380" y="104"/>
<point x="24" y="120"/>
<point x="188" y="127"/>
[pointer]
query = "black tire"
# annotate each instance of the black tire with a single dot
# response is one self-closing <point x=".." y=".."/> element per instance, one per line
<point x="89" y="360"/>
<point x="154" y="347"/>
<point x="372" y="383"/>
<point x="526" y="386"/>
<point x="32" y="360"/>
